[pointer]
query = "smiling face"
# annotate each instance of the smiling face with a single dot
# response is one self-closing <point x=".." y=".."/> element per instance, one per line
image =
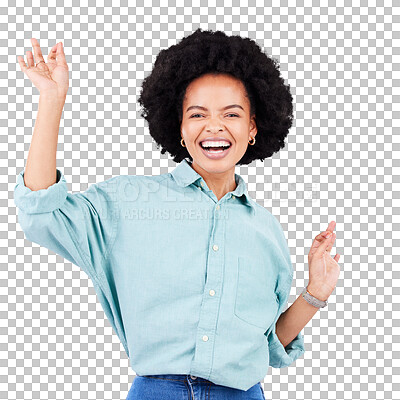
<point x="216" y="107"/>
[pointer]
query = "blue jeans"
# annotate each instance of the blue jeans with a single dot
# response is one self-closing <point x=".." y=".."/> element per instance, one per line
<point x="187" y="387"/>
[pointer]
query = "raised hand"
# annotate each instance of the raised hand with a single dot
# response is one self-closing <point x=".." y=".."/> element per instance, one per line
<point x="51" y="77"/>
<point x="323" y="268"/>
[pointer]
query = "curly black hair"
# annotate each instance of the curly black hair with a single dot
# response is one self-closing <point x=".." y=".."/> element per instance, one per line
<point x="205" y="52"/>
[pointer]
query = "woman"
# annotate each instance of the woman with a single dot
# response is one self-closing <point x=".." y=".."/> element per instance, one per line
<point x="191" y="272"/>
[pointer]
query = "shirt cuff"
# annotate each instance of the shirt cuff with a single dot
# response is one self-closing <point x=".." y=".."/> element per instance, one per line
<point x="43" y="200"/>
<point x="279" y="356"/>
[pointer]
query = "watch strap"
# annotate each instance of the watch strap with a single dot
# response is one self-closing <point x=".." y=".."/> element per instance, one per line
<point x="312" y="300"/>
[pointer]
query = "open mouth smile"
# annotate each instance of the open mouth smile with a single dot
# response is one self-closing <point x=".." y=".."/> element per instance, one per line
<point x="215" y="149"/>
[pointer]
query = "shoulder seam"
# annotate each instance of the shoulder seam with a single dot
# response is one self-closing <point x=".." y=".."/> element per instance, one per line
<point x="88" y="264"/>
<point x="116" y="215"/>
<point x="84" y="256"/>
<point x="115" y="221"/>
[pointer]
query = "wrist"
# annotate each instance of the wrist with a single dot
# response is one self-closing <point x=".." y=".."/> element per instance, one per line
<point x="317" y="292"/>
<point x="53" y="103"/>
<point x="52" y="97"/>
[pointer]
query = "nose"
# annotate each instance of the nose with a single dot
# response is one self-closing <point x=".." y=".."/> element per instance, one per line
<point x="214" y="127"/>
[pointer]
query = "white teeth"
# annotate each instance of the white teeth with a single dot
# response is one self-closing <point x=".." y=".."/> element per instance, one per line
<point x="211" y="143"/>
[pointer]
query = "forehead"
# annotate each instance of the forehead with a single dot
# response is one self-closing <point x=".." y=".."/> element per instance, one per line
<point x="216" y="89"/>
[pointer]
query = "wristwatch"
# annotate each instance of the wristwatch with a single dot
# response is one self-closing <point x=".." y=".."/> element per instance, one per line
<point x="312" y="300"/>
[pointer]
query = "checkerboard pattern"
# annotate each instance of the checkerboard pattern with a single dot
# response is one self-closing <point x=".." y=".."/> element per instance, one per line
<point x="341" y="163"/>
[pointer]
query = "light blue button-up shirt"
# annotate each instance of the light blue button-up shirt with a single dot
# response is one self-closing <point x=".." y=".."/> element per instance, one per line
<point x="190" y="284"/>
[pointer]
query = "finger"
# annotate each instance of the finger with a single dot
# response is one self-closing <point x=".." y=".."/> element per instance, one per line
<point x="331" y="226"/>
<point x="320" y="239"/>
<point x="331" y="242"/>
<point x="60" y="54"/>
<point x="22" y="64"/>
<point x="37" y="51"/>
<point x="323" y="235"/>
<point x="323" y="246"/>
<point x="52" y="54"/>
<point x="29" y="58"/>
<point x="336" y="258"/>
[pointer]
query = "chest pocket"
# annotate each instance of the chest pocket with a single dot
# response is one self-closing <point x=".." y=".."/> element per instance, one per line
<point x="256" y="300"/>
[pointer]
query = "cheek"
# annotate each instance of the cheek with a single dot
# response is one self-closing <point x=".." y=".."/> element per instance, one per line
<point x="187" y="132"/>
<point x="241" y="141"/>
<point x="192" y="135"/>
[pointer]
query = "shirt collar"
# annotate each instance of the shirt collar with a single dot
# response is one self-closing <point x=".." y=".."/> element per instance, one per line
<point x="184" y="175"/>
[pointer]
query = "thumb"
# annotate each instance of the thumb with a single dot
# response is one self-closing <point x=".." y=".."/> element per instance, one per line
<point x="60" y="54"/>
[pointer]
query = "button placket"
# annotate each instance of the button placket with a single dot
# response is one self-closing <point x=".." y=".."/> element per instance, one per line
<point x="209" y="311"/>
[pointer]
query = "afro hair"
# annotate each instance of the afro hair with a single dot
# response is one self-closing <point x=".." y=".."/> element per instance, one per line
<point x="203" y="52"/>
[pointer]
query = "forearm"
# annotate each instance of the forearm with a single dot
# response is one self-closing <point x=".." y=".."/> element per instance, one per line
<point x="40" y="169"/>
<point x="293" y="320"/>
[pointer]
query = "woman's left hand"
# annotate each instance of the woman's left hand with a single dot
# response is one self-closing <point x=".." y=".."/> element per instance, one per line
<point x="323" y="268"/>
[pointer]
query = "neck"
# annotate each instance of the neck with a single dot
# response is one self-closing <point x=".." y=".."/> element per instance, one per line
<point x="219" y="182"/>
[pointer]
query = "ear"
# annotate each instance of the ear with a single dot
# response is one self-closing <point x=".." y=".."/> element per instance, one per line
<point x="253" y="125"/>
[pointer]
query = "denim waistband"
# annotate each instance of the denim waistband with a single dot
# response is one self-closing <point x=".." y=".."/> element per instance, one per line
<point x="180" y="377"/>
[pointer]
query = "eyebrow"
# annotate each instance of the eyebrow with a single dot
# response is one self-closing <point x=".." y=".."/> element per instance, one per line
<point x="224" y="108"/>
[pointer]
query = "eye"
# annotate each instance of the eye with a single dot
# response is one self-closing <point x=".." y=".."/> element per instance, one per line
<point x="194" y="115"/>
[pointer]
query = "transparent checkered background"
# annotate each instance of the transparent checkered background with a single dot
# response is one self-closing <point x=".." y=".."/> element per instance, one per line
<point x="341" y="163"/>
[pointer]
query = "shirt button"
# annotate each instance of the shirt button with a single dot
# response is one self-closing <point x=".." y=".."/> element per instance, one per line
<point x="217" y="207"/>
<point x="233" y="196"/>
<point x="202" y="183"/>
<point x="205" y="338"/>
<point x="212" y="292"/>
<point x="215" y="247"/>
<point x="193" y="377"/>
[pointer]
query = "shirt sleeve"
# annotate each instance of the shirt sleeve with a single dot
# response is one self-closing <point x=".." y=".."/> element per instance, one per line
<point x="80" y="227"/>
<point x="279" y="356"/>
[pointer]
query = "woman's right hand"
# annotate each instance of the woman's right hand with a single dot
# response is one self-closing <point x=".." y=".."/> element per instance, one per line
<point x="51" y="77"/>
